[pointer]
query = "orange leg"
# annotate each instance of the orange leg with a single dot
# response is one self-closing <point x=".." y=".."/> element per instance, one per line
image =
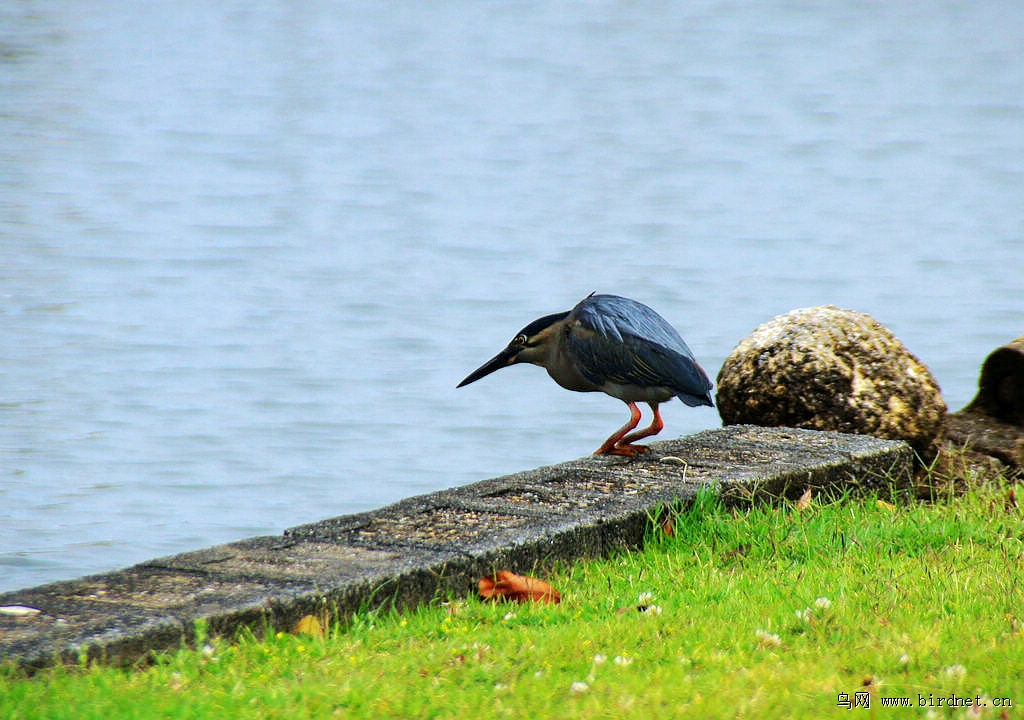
<point x="611" y="445"/>
<point x="621" y="443"/>
<point x="653" y="429"/>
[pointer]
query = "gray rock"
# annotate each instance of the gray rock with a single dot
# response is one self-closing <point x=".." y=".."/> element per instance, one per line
<point x="830" y="369"/>
<point x="992" y="424"/>
<point x="1001" y="385"/>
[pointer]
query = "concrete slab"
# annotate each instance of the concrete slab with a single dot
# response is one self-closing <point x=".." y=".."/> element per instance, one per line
<point x="440" y="543"/>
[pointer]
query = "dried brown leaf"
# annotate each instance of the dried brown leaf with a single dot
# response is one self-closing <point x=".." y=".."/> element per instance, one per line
<point x="506" y="585"/>
<point x="805" y="500"/>
<point x="309" y="625"/>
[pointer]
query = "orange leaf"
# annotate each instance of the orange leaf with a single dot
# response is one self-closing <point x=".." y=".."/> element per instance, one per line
<point x="506" y="585"/>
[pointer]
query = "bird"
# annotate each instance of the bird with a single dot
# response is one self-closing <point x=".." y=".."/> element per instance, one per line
<point x="617" y="346"/>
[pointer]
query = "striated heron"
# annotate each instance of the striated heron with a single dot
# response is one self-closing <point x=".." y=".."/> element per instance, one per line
<point x="617" y="346"/>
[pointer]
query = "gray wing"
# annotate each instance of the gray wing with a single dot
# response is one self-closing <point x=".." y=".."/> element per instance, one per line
<point x="619" y="340"/>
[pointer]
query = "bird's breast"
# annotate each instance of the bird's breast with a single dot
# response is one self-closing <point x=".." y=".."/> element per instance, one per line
<point x="571" y="379"/>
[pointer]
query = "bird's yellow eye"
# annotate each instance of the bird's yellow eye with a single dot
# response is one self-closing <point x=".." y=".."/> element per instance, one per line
<point x="519" y="340"/>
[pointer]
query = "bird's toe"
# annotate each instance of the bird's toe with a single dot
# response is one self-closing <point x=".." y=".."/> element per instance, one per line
<point x="624" y="450"/>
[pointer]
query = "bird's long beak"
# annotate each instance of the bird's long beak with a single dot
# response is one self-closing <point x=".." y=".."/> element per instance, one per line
<point x="503" y="359"/>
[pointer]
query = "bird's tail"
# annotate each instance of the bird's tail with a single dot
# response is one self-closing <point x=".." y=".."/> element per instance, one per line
<point x="697" y="400"/>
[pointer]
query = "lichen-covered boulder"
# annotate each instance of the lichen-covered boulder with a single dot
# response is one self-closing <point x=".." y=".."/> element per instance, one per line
<point x="830" y="369"/>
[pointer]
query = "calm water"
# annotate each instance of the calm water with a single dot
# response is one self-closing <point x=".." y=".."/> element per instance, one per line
<point x="247" y="251"/>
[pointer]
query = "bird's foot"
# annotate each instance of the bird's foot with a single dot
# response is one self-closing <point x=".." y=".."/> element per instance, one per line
<point x="625" y="450"/>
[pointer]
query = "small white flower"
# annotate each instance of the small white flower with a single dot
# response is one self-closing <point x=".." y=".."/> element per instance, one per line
<point x="645" y="598"/>
<point x="823" y="603"/>
<point x="803" y="615"/>
<point x="599" y="659"/>
<point x="768" y="639"/>
<point x="903" y="659"/>
<point x="651" y="610"/>
<point x="623" y="660"/>
<point x="509" y="616"/>
<point x="955" y="671"/>
<point x="579" y="687"/>
<point x="500" y="687"/>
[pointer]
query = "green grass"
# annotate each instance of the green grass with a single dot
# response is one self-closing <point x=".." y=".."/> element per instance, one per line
<point x="765" y="612"/>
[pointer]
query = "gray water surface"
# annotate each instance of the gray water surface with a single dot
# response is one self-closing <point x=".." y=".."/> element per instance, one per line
<point x="247" y="251"/>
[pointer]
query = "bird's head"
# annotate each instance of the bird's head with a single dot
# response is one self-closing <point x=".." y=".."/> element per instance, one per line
<point x="530" y="345"/>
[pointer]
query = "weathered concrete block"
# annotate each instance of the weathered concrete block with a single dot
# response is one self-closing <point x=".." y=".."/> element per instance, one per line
<point x="430" y="545"/>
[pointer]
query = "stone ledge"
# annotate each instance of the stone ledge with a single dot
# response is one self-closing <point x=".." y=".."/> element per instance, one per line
<point x="443" y="542"/>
